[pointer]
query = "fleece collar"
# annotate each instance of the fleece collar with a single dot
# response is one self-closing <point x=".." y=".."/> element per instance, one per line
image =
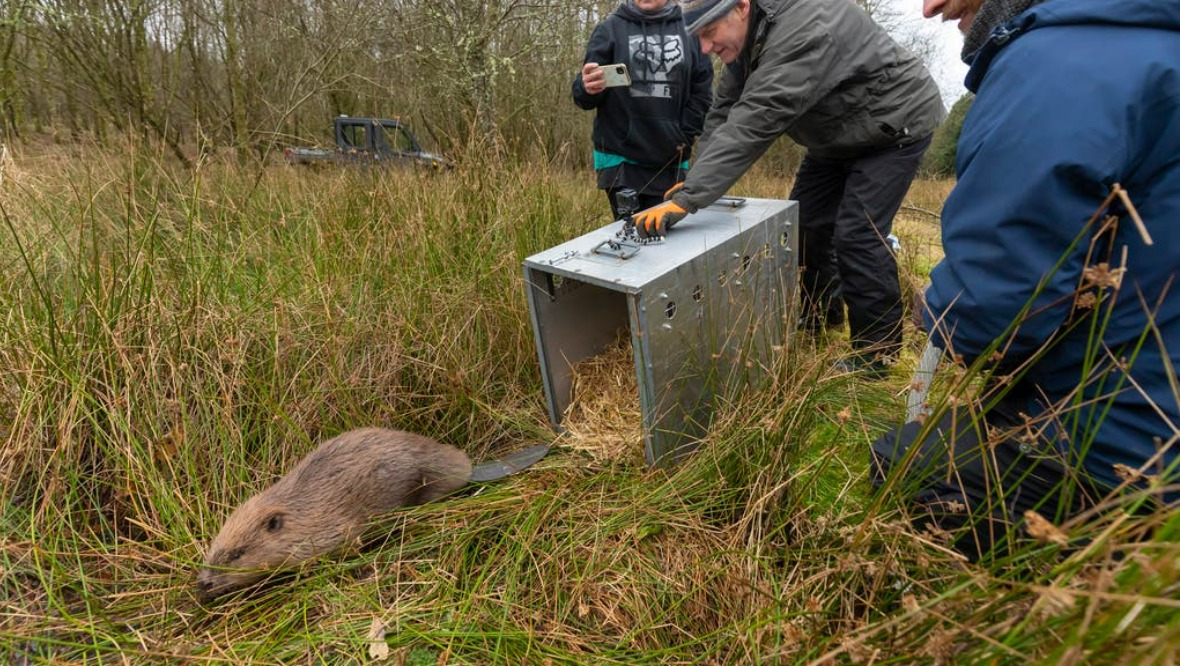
<point x="1147" y="14"/>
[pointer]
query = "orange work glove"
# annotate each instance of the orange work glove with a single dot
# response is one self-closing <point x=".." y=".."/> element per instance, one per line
<point x="673" y="190"/>
<point x="657" y="220"/>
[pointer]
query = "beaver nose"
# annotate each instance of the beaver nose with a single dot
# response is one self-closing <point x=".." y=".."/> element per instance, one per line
<point x="204" y="589"/>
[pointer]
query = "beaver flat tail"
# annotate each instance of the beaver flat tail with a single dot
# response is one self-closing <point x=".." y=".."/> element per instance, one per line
<point x="448" y="469"/>
<point x="509" y="464"/>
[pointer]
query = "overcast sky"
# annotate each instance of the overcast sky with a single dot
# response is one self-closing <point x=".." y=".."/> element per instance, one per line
<point x="948" y="69"/>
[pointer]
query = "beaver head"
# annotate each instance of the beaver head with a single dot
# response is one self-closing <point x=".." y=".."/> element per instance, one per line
<point x="262" y="535"/>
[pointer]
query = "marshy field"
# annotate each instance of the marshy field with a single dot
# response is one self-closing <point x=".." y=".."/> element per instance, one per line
<point x="173" y="339"/>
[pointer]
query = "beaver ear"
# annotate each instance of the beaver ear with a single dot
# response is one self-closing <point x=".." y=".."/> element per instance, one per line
<point x="275" y="522"/>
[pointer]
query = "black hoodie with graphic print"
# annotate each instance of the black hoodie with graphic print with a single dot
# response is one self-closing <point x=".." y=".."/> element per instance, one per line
<point x="654" y="122"/>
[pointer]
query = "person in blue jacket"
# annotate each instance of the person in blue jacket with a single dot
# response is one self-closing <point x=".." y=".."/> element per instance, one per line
<point x="1061" y="276"/>
<point x="644" y="133"/>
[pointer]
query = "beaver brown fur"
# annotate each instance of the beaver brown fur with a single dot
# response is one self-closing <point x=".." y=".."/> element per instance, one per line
<point x="327" y="500"/>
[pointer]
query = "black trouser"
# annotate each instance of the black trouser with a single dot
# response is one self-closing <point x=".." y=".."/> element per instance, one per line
<point x="957" y="478"/>
<point x="846" y="210"/>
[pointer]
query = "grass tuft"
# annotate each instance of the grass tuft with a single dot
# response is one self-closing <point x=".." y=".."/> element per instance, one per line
<point x="174" y="341"/>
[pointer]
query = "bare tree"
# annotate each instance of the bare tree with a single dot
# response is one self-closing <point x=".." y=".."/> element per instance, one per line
<point x="104" y="46"/>
<point x="13" y="19"/>
<point x="909" y="32"/>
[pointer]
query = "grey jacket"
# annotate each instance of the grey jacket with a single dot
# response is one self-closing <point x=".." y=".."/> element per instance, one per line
<point x="821" y="72"/>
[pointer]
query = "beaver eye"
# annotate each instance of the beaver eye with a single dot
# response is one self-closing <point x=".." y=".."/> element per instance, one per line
<point x="236" y="554"/>
<point x="275" y="523"/>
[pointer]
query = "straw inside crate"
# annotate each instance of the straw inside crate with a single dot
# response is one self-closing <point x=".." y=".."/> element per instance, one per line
<point x="603" y="418"/>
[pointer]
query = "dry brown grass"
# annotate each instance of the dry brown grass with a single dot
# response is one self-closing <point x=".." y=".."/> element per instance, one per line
<point x="152" y="389"/>
<point x="603" y="419"/>
<point x="917" y="226"/>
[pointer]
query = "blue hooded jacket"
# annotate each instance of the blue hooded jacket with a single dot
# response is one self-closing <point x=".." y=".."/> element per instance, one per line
<point x="1073" y="96"/>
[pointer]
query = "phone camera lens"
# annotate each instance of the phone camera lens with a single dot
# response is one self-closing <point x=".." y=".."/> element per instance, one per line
<point x="619" y="70"/>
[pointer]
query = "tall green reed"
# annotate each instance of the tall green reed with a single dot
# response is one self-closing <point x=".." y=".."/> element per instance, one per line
<point x="174" y="340"/>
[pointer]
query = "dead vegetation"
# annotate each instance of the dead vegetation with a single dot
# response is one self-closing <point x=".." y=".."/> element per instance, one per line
<point x="153" y="383"/>
<point x="603" y="419"/>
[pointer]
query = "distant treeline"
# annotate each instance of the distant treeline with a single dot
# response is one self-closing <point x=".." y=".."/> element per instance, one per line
<point x="250" y="75"/>
<point x="199" y="75"/>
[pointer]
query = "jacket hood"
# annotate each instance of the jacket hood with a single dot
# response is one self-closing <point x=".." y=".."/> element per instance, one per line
<point x="629" y="11"/>
<point x="1152" y="14"/>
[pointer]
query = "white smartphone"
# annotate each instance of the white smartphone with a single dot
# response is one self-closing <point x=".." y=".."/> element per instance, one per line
<point x="616" y="75"/>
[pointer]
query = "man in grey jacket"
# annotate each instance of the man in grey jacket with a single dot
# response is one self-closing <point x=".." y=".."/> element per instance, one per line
<point x="824" y="74"/>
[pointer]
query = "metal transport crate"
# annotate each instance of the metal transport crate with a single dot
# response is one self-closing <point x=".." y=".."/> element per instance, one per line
<point x="706" y="310"/>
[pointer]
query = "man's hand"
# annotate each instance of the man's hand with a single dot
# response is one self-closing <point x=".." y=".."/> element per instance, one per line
<point x="657" y="220"/>
<point x="673" y="190"/>
<point x="593" y="80"/>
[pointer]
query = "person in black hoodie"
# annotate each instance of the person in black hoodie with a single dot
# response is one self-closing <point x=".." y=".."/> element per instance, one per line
<point x="644" y="133"/>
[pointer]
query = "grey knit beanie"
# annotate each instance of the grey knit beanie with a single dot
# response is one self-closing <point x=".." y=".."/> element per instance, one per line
<point x="700" y="13"/>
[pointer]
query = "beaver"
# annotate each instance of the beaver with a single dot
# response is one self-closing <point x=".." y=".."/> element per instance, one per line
<point x="327" y="500"/>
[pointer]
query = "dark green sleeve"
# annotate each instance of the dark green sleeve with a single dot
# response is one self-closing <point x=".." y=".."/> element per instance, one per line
<point x="749" y="116"/>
